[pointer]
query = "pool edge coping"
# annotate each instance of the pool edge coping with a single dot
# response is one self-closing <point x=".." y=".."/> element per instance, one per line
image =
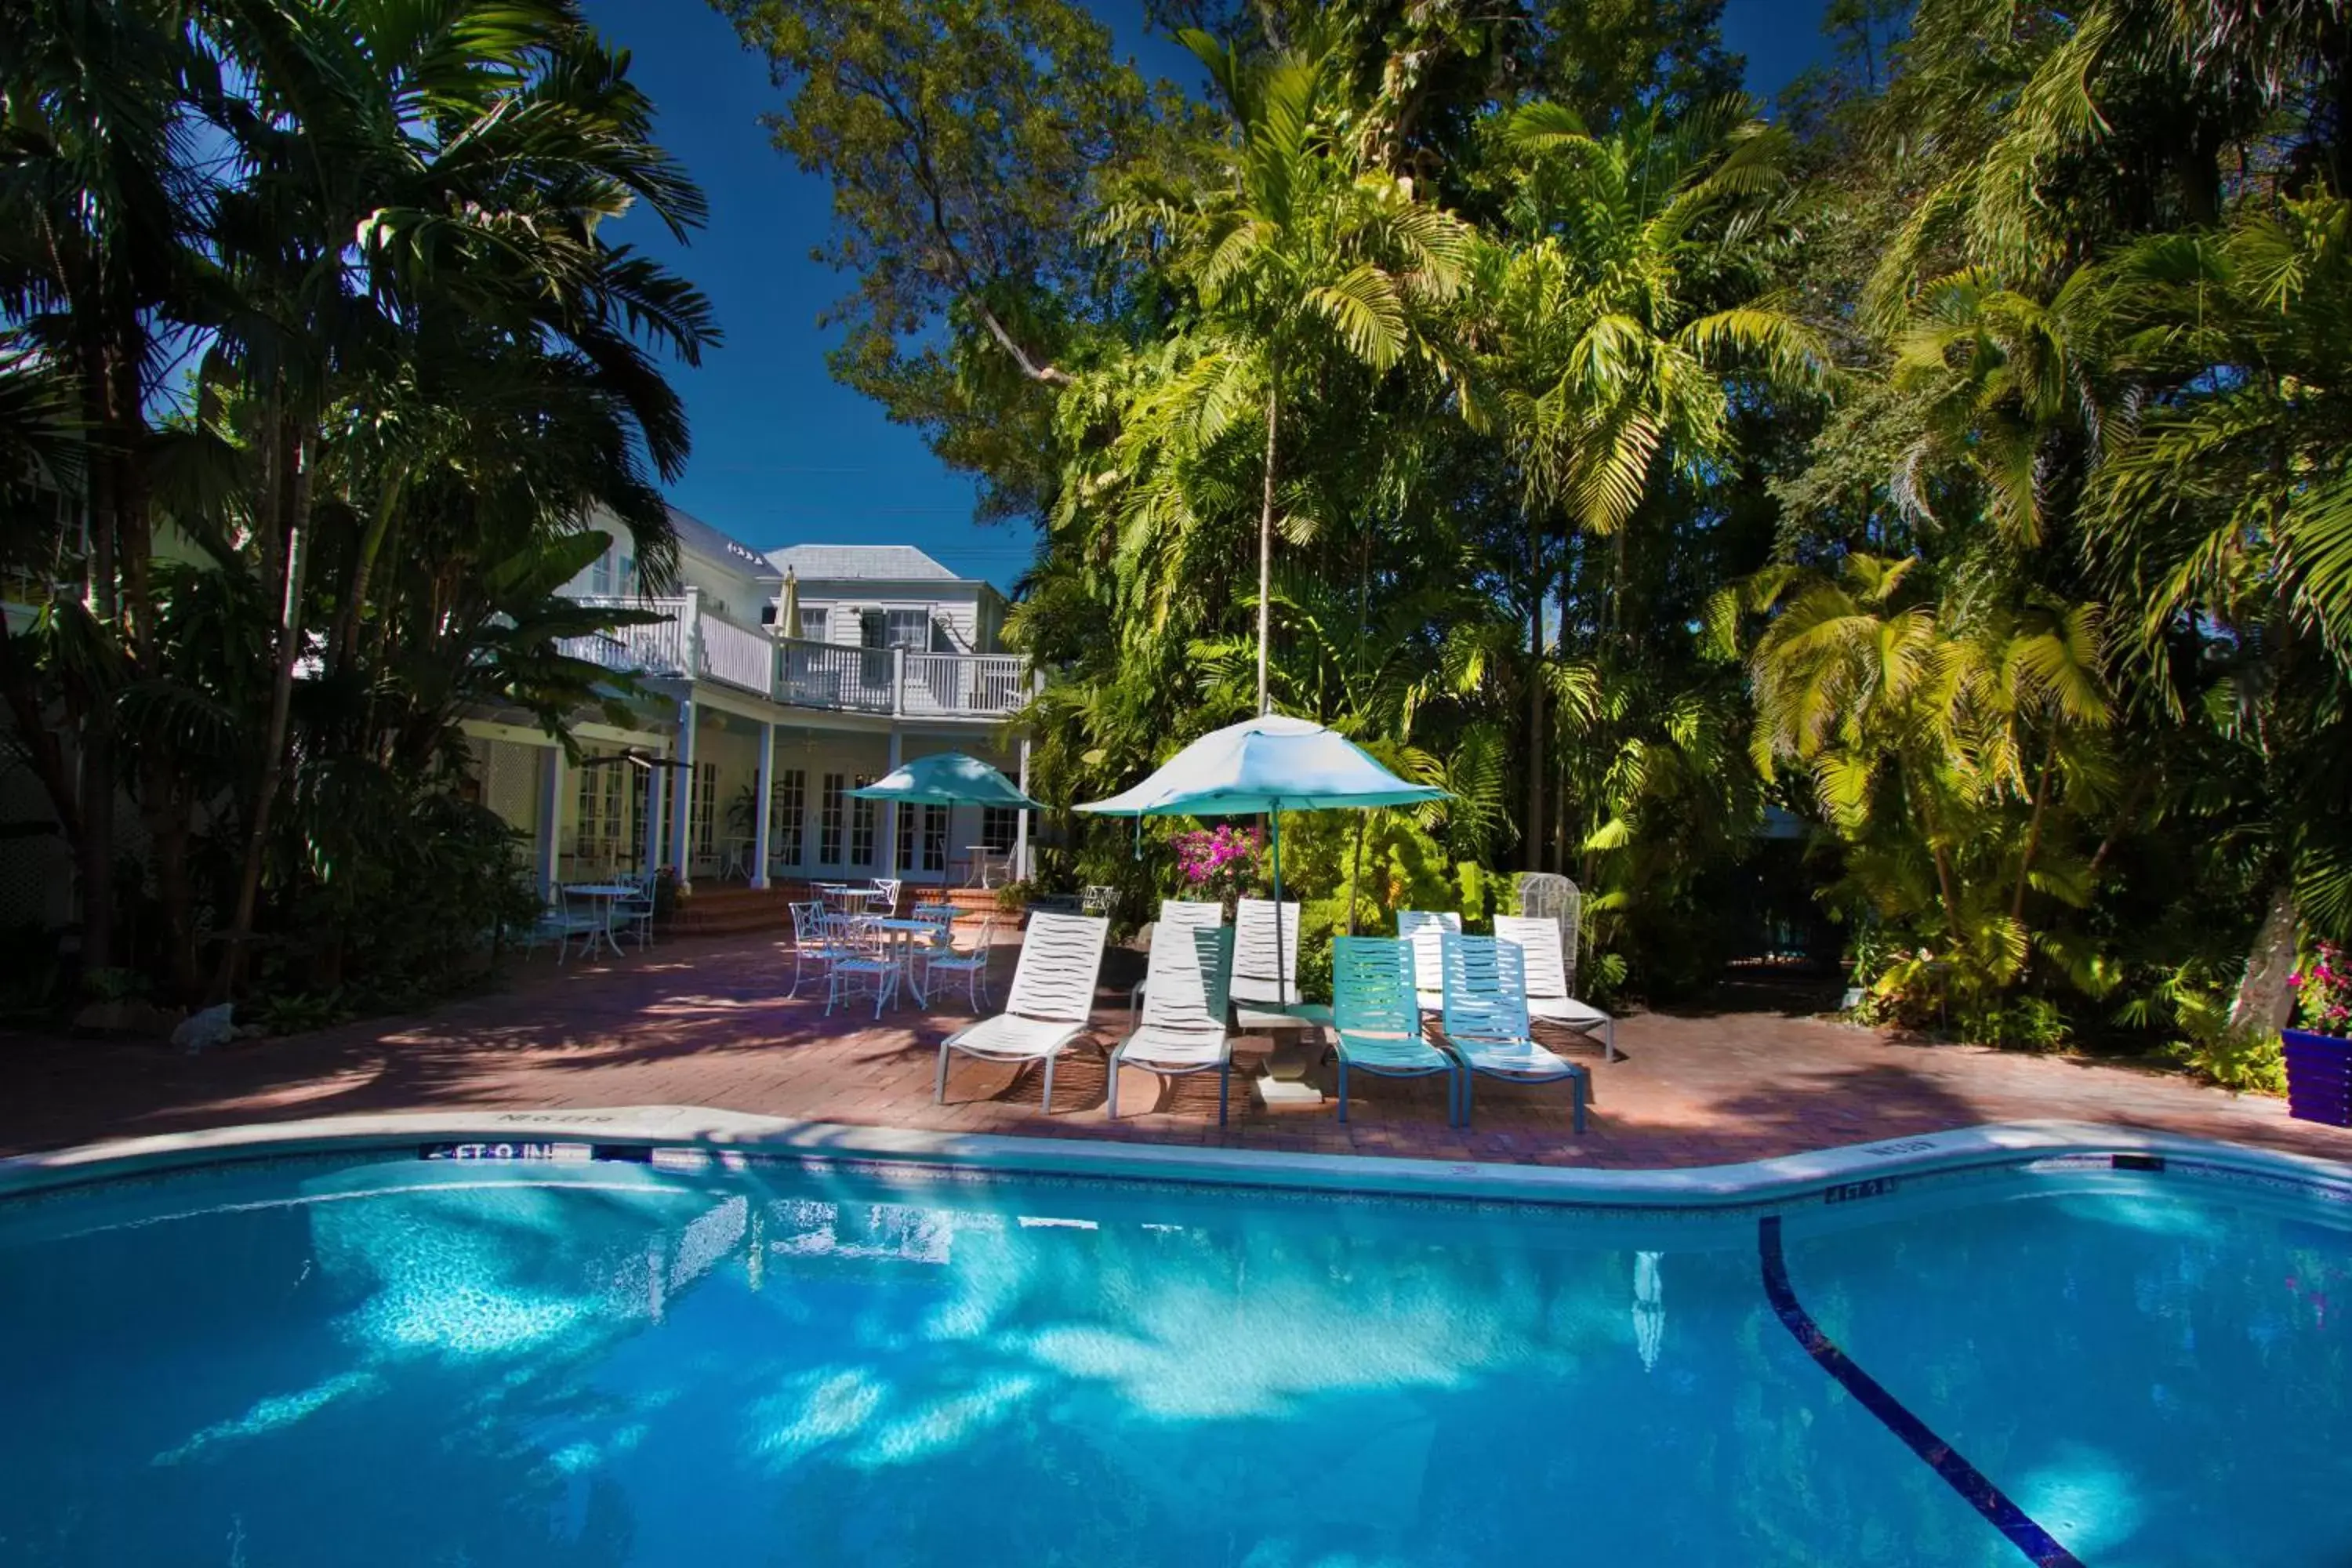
<point x="692" y="1127"/>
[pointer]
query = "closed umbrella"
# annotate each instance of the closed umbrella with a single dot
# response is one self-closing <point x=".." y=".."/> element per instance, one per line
<point x="1269" y="764"/>
<point x="788" y="613"/>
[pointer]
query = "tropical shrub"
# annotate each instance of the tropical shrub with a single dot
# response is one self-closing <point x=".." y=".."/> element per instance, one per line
<point x="2323" y="992"/>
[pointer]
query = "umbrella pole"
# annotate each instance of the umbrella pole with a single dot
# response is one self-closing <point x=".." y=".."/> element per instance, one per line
<point x="1283" y="1082"/>
<point x="1356" y="869"/>
<point x="1281" y="970"/>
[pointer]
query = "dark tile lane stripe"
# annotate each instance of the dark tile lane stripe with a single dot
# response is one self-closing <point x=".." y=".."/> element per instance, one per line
<point x="1974" y="1487"/>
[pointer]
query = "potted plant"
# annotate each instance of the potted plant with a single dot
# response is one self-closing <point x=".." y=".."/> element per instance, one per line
<point x="2319" y="1057"/>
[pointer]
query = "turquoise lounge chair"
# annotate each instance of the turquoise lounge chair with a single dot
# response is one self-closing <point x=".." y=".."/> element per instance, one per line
<point x="1377" y="1024"/>
<point x="1486" y="1020"/>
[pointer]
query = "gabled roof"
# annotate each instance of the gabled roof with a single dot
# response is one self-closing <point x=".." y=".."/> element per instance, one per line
<point x="699" y="537"/>
<point x="876" y="562"/>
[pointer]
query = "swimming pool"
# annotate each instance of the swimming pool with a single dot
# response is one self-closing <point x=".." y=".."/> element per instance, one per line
<point x="399" y="1357"/>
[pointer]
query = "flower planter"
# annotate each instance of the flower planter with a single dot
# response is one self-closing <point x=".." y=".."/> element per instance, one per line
<point x="2318" y="1078"/>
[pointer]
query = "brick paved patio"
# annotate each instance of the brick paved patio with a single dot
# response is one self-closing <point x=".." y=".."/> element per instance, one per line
<point x="707" y="1023"/>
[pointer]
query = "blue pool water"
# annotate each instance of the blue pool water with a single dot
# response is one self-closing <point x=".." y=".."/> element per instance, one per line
<point x="429" y="1365"/>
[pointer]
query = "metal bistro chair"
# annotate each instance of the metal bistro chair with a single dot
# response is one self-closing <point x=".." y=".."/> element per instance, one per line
<point x="1097" y="898"/>
<point x="811" y="947"/>
<point x="882" y="899"/>
<point x="943" y="956"/>
<point x="861" y="962"/>
<point x="634" y="915"/>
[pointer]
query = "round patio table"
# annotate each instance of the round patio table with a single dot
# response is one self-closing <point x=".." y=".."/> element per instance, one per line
<point x="607" y="894"/>
<point x="903" y="934"/>
<point x="840" y="896"/>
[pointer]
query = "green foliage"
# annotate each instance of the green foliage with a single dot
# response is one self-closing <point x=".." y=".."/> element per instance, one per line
<point x="267" y="598"/>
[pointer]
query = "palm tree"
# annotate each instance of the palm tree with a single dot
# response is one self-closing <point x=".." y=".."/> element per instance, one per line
<point x="101" y="200"/>
<point x="1607" y="329"/>
<point x="1302" y="258"/>
<point x="474" y="157"/>
<point x="2224" y="516"/>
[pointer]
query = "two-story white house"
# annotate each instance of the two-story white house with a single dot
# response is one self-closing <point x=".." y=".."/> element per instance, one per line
<point x="790" y="678"/>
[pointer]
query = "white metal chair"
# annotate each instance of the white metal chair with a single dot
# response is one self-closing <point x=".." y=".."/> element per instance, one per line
<point x="860" y="961"/>
<point x="972" y="965"/>
<point x="1265" y="966"/>
<point x="1099" y="899"/>
<point x="634" y="915"/>
<point x="1053" y="999"/>
<point x="581" y="920"/>
<point x="1485" y="1020"/>
<point x="1544" y="896"/>
<point x="1425" y="929"/>
<point x="812" y="948"/>
<point x="1375" y="1021"/>
<point x="1182" y="1001"/>
<point x="1547" y="997"/>
<point x="883" y="900"/>
<point x="558" y="923"/>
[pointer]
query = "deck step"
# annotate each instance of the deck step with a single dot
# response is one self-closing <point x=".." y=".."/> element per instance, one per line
<point x="723" y="909"/>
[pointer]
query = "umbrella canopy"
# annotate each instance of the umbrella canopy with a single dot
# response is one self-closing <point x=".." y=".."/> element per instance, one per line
<point x="788" y="613"/>
<point x="950" y="778"/>
<point x="1272" y="764"/>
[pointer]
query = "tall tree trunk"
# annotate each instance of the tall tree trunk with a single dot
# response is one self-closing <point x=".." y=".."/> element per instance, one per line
<point x="2264" y="1000"/>
<point x="2034" y="832"/>
<point x="163" y="801"/>
<point x="281" y="698"/>
<point x="1534" y="835"/>
<point x="20" y="689"/>
<point x="97" y="781"/>
<point x="1266" y="543"/>
<point x="345" y="643"/>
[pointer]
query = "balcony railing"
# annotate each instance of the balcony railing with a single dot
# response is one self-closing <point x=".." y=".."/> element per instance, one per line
<point x="802" y="674"/>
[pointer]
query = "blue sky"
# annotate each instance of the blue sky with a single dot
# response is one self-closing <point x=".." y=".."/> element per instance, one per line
<point x="781" y="454"/>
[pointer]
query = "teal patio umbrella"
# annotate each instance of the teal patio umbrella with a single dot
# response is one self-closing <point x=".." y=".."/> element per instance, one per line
<point x="947" y="778"/>
<point x="1268" y="765"/>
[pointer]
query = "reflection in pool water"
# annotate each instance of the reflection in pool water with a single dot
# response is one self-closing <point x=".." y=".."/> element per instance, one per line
<point x="402" y="1363"/>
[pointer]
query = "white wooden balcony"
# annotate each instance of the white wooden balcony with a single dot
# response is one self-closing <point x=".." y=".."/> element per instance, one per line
<point x="699" y="643"/>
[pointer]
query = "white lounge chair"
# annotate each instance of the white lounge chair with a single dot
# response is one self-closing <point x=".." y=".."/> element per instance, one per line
<point x="1265" y="966"/>
<point x="1053" y="996"/>
<point x="1181" y="1025"/>
<point x="1375" y="1025"/>
<point x="1539" y="941"/>
<point x="1424" y="928"/>
<point x="1486" y="1020"/>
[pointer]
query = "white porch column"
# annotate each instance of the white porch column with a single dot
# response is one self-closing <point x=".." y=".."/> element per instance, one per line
<point x="681" y="806"/>
<point x="890" y="807"/>
<point x="657" y="778"/>
<point x="763" y="794"/>
<point x="551" y="821"/>
<point x="1020" y="828"/>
